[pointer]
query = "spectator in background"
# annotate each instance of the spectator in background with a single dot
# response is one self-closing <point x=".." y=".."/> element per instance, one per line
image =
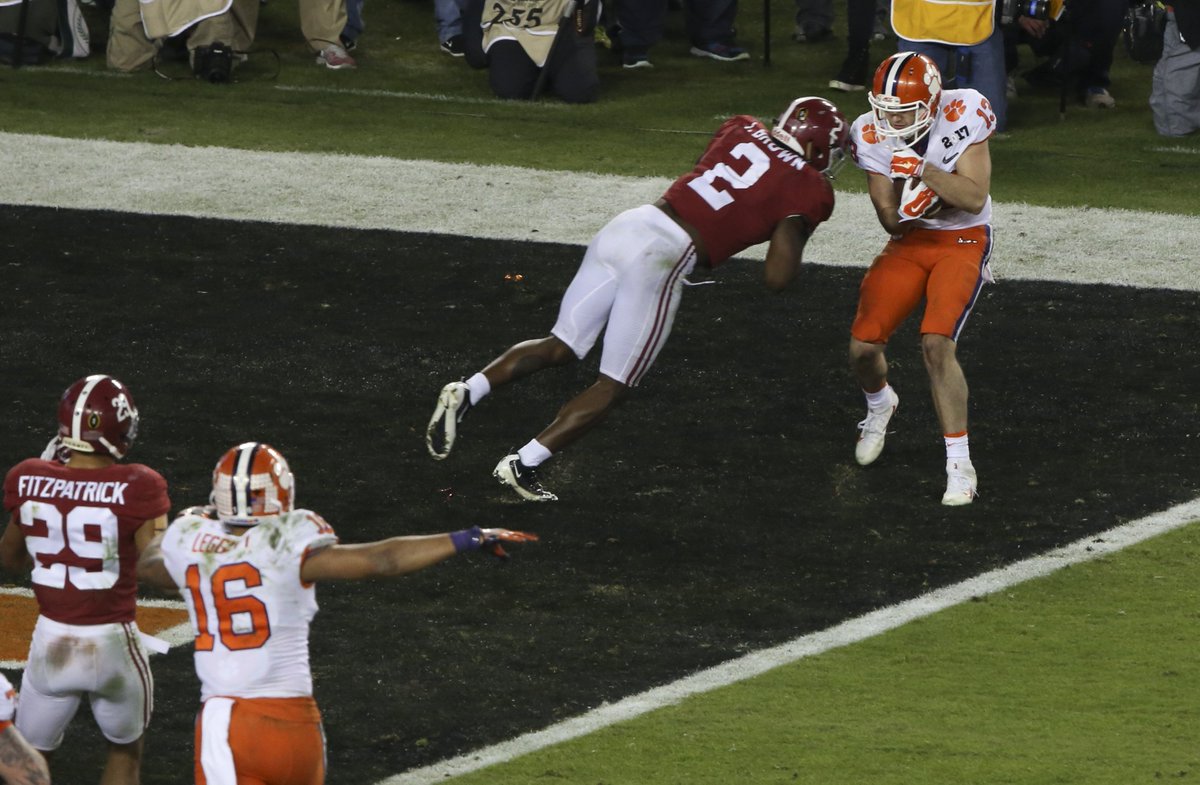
<point x="354" y="26"/>
<point x="852" y="75"/>
<point x="1076" y="40"/>
<point x="964" y="42"/>
<point x="710" y="27"/>
<point x="448" y="16"/>
<point x="521" y="46"/>
<point x="20" y="764"/>
<point x="814" y="20"/>
<point x="138" y="27"/>
<point x="78" y="528"/>
<point x="213" y="33"/>
<point x="1175" y="93"/>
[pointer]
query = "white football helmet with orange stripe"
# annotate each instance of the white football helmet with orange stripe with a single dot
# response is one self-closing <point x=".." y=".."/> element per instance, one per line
<point x="252" y="481"/>
<point x="905" y="83"/>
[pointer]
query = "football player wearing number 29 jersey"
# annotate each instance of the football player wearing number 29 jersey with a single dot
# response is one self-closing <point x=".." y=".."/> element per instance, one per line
<point x="752" y="185"/>
<point x="80" y="526"/>
<point x="246" y="567"/>
<point x="925" y="152"/>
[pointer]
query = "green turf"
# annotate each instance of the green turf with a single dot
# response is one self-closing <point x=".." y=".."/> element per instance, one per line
<point x="648" y="122"/>
<point x="1087" y="676"/>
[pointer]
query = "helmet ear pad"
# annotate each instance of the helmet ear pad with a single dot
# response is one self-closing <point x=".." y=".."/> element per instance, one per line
<point x="97" y="415"/>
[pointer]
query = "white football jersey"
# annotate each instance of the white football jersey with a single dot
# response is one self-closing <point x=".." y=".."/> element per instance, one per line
<point x="250" y="611"/>
<point x="964" y="118"/>
<point x="8" y="700"/>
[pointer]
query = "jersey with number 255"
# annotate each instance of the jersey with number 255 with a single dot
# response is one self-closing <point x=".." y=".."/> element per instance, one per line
<point x="250" y="611"/>
<point x="743" y="186"/>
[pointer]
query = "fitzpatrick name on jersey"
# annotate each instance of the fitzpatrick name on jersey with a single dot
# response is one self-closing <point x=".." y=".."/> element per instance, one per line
<point x="964" y="118"/>
<point x="76" y="490"/>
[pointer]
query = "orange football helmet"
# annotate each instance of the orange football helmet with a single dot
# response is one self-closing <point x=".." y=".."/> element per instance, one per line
<point x="905" y="82"/>
<point x="250" y="482"/>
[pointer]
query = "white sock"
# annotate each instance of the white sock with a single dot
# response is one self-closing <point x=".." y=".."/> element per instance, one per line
<point x="958" y="448"/>
<point x="533" y="454"/>
<point x="479" y="387"/>
<point x="879" y="400"/>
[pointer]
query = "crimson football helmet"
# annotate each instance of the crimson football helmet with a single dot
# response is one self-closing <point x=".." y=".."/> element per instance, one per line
<point x="905" y="82"/>
<point x="817" y="130"/>
<point x="97" y="415"/>
<point x="250" y="482"/>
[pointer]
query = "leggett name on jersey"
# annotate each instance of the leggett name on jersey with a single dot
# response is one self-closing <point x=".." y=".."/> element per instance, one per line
<point x="34" y="486"/>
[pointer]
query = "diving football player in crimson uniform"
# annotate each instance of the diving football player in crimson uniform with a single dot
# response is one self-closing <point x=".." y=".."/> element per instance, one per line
<point x="925" y="152"/>
<point x="80" y="527"/>
<point x="247" y="568"/>
<point x="753" y="184"/>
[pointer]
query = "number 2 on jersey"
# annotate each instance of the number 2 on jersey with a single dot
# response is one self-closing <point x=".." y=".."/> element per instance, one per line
<point x="246" y="611"/>
<point x="718" y="198"/>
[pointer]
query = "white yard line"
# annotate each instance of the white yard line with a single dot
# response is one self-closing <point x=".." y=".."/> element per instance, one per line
<point x="844" y="634"/>
<point x="1080" y="245"/>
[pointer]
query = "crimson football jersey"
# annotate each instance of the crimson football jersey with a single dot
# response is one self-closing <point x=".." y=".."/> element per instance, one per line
<point x="79" y="527"/>
<point x="743" y="186"/>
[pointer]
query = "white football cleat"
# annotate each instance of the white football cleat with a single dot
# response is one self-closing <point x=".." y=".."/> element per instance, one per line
<point x="453" y="402"/>
<point x="522" y="479"/>
<point x="961" y="483"/>
<point x="873" y="431"/>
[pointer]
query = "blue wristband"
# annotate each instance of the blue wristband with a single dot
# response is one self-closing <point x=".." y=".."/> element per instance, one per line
<point x="467" y="539"/>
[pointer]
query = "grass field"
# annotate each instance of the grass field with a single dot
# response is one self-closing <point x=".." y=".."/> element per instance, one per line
<point x="716" y="514"/>
<point x="1084" y="676"/>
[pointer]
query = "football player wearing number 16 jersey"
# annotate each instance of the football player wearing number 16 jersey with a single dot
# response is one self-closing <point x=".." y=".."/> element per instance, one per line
<point x="752" y="185"/>
<point x="925" y="152"/>
<point x="247" y="566"/>
<point x="80" y="526"/>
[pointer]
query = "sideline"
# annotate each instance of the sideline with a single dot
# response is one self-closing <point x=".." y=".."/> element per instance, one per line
<point x="844" y="634"/>
<point x="1070" y="244"/>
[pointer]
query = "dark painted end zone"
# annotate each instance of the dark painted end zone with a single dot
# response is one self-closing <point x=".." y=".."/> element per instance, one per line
<point x="720" y="510"/>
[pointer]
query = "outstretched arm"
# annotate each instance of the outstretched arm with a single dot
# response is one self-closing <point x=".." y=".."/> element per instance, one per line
<point x="402" y="555"/>
<point x="785" y="251"/>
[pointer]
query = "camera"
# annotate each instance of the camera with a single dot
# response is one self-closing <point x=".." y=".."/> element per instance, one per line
<point x="1034" y="9"/>
<point x="213" y="63"/>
